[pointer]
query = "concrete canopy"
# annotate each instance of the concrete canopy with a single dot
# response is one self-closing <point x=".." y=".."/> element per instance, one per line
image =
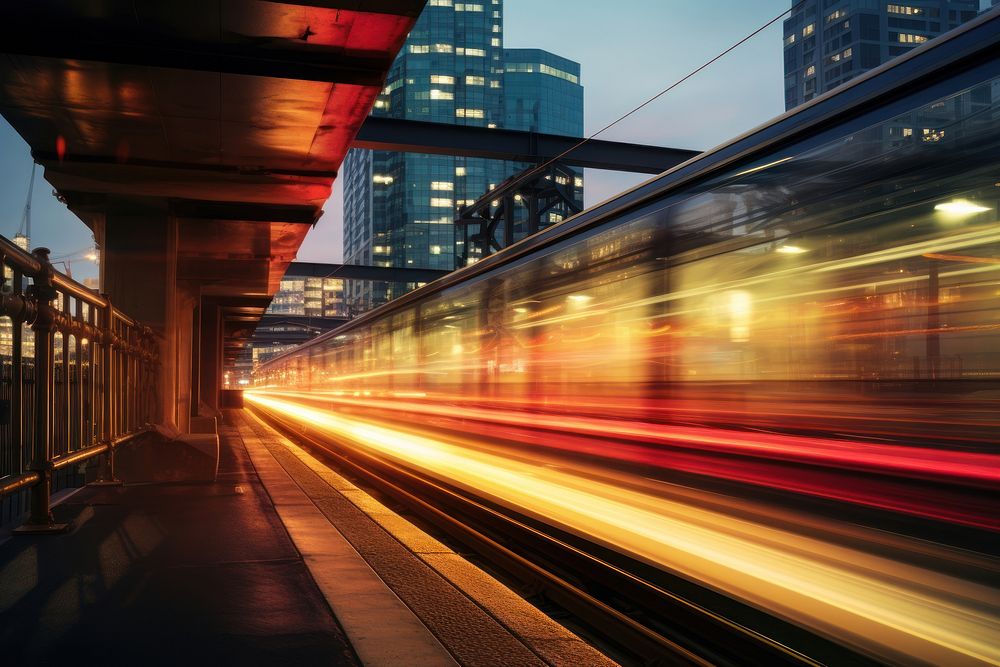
<point x="230" y="117"/>
<point x="214" y="129"/>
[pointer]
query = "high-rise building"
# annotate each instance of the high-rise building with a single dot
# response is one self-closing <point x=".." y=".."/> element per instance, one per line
<point x="400" y="208"/>
<point x="828" y="42"/>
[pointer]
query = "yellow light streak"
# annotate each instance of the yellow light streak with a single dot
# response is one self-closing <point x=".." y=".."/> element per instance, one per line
<point x="878" y="604"/>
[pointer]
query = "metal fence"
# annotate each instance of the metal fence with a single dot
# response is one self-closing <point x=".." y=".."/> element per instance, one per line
<point x="77" y="378"/>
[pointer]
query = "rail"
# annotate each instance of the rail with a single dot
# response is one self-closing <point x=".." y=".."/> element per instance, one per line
<point x="77" y="378"/>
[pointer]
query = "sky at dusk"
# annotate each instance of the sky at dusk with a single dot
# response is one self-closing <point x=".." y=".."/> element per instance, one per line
<point x="628" y="51"/>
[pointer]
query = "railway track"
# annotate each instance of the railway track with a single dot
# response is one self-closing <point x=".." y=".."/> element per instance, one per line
<point x="642" y="614"/>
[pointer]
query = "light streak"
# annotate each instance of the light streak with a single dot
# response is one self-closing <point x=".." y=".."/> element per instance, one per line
<point x="874" y="602"/>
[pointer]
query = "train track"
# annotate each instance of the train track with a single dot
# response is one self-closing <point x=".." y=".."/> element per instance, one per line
<point x="645" y="616"/>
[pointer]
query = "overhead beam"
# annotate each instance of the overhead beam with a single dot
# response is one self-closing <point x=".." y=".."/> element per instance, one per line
<point x="43" y="157"/>
<point x="243" y="211"/>
<point x="354" y="272"/>
<point x="393" y="7"/>
<point x="26" y="36"/>
<point x="411" y="136"/>
<point x="198" y="209"/>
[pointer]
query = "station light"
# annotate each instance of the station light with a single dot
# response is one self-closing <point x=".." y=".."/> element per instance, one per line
<point x="960" y="208"/>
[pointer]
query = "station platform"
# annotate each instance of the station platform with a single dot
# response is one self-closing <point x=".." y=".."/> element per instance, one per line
<point x="279" y="561"/>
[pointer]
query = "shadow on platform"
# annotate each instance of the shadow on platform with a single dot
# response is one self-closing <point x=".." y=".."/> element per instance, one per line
<point x="166" y="570"/>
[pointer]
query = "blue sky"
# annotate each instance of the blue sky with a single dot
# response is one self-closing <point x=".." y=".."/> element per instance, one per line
<point x="628" y="51"/>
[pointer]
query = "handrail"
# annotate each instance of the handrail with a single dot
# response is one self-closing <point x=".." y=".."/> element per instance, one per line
<point x="81" y="384"/>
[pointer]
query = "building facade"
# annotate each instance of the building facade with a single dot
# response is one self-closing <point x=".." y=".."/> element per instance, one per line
<point x="828" y="42"/>
<point x="400" y="208"/>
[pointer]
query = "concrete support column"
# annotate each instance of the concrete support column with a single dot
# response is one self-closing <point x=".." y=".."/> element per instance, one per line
<point x="139" y="272"/>
<point x="210" y="359"/>
<point x="187" y="304"/>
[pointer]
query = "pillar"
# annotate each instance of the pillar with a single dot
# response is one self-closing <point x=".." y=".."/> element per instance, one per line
<point x="210" y="359"/>
<point x="139" y="272"/>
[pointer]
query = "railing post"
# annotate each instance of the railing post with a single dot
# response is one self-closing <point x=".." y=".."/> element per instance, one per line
<point x="40" y="518"/>
<point x="107" y="475"/>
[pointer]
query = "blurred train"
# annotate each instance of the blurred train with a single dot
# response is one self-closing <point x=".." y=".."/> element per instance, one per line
<point x="812" y="309"/>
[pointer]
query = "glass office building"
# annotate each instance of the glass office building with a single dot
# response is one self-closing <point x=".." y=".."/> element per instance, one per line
<point x="828" y="42"/>
<point x="400" y="208"/>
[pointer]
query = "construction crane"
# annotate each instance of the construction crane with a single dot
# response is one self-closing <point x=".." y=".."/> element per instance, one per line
<point x="23" y="237"/>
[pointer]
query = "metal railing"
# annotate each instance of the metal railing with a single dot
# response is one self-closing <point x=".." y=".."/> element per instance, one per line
<point x="77" y="378"/>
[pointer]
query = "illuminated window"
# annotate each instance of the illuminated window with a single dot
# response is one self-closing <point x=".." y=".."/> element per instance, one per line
<point x="419" y="48"/>
<point x="381" y="179"/>
<point x="381" y="104"/>
<point x="442" y="185"/>
<point x="467" y="7"/>
<point x="475" y="80"/>
<point x="907" y="38"/>
<point x="460" y="171"/>
<point x="439" y="3"/>
<point x="790" y="39"/>
<point x="544" y="69"/>
<point x="578" y="182"/>
<point x="491" y="125"/>
<point x="435" y="250"/>
<point x="442" y="79"/>
<point x="469" y="113"/>
<point x="496" y="28"/>
<point x="495" y="41"/>
<point x="809" y="29"/>
<point x="907" y="131"/>
<point x="931" y="135"/>
<point x="441" y="202"/>
<point x="811" y="70"/>
<point x="494" y="84"/>
<point x="839" y="14"/>
<point x="470" y="52"/>
<point x="392" y="86"/>
<point x="441" y="94"/>
<point x="904" y="9"/>
<point x="441" y="48"/>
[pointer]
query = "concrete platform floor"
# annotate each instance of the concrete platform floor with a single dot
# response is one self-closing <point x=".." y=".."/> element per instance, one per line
<point x="280" y="561"/>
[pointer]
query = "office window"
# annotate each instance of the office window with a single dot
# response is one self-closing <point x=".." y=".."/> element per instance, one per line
<point x="441" y="94"/>
<point x="442" y="185"/>
<point x="908" y="38"/>
<point x="904" y="9"/>
<point x="790" y="39"/>
<point x="442" y="79"/>
<point x="441" y="202"/>
<point x="809" y="29"/>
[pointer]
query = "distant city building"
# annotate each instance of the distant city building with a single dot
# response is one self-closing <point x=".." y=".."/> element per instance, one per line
<point x="311" y="305"/>
<point x="309" y="297"/>
<point x="399" y="208"/>
<point x="828" y="42"/>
